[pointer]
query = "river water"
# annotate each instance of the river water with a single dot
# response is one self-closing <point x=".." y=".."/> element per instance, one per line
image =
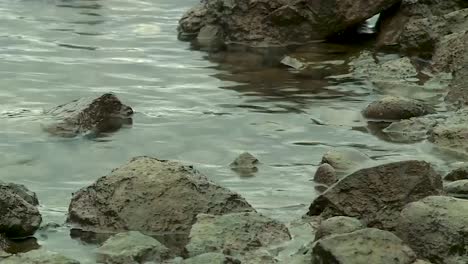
<point x="201" y="107"/>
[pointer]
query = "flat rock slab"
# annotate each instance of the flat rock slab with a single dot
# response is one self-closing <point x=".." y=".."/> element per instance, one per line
<point x="377" y="195"/>
<point x="151" y="196"/>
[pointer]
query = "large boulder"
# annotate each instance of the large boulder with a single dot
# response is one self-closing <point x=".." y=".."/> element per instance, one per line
<point x="88" y="116"/>
<point x="368" y="245"/>
<point x="377" y="195"/>
<point x="275" y="22"/>
<point x="235" y="234"/>
<point x="39" y="257"/>
<point x="436" y="229"/>
<point x="131" y="247"/>
<point x="150" y="195"/>
<point x="18" y="218"/>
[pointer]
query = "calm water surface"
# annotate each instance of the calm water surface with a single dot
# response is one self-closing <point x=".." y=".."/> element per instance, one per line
<point x="203" y="108"/>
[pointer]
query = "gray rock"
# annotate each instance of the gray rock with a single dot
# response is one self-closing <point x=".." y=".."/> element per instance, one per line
<point x="293" y="63"/>
<point x="338" y="225"/>
<point x="22" y="191"/>
<point x="4" y="245"/>
<point x="245" y="164"/>
<point x="436" y="228"/>
<point x="457" y="174"/>
<point x="234" y="234"/>
<point x="363" y="246"/>
<point x="394" y="108"/>
<point x="451" y="53"/>
<point x="345" y="159"/>
<point x="277" y="22"/>
<point x="210" y="35"/>
<point x="131" y="247"/>
<point x="212" y="258"/>
<point x="150" y="195"/>
<point x="89" y="116"/>
<point x="325" y="174"/>
<point x="377" y="195"/>
<point x="458" y="189"/>
<point x="450" y="135"/>
<point x="39" y="257"/>
<point x="411" y="130"/>
<point x="19" y="218"/>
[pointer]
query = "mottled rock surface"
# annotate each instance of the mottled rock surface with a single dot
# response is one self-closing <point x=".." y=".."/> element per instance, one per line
<point x="150" y="195"/>
<point x="325" y="174"/>
<point x="457" y="174"/>
<point x="458" y="189"/>
<point x="377" y="195"/>
<point x="89" y="116"/>
<point x="245" y="164"/>
<point x="396" y="108"/>
<point x="211" y="258"/>
<point x="368" y="245"/>
<point x="338" y="225"/>
<point x="436" y="228"/>
<point x="39" y="257"/>
<point x="22" y="191"/>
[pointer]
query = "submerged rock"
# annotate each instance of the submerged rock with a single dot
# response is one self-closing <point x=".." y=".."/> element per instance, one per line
<point x="457" y="174"/>
<point x="235" y="234"/>
<point x="246" y="164"/>
<point x="368" y="245"/>
<point x="131" y="247"/>
<point x="395" y="108"/>
<point x="39" y="256"/>
<point x="276" y="22"/>
<point x="435" y="228"/>
<point x="93" y="116"/>
<point x="338" y="225"/>
<point x="150" y="195"/>
<point x="325" y="174"/>
<point x="18" y="218"/>
<point x="377" y="195"/>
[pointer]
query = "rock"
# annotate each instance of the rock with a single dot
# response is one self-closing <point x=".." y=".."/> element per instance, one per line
<point x="293" y="63"/>
<point x="234" y="234"/>
<point x="451" y="53"/>
<point x="435" y="228"/>
<point x="368" y="245"/>
<point x="394" y="108"/>
<point x="89" y="116"/>
<point x="39" y="256"/>
<point x="325" y="174"/>
<point x="458" y="89"/>
<point x="389" y="68"/>
<point x="4" y="245"/>
<point x="458" y="189"/>
<point x="338" y="225"/>
<point x="457" y="174"/>
<point x="345" y="159"/>
<point x="151" y="196"/>
<point x="411" y="130"/>
<point x="131" y="247"/>
<point x="246" y="164"/>
<point x="212" y="258"/>
<point x="22" y="191"/>
<point x="210" y="35"/>
<point x="450" y="135"/>
<point x="377" y="195"/>
<point x="19" y="218"/>
<point x="277" y="22"/>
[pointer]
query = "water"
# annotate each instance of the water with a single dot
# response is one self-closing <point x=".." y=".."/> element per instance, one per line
<point x="203" y="108"/>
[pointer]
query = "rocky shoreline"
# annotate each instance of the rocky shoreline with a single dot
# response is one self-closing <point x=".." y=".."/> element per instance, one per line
<point x="399" y="212"/>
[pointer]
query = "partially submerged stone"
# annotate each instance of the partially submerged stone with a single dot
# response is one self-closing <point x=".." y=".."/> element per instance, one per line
<point x="377" y="195"/>
<point x="411" y="130"/>
<point x="89" y="116"/>
<point x="131" y="247"/>
<point x="235" y="234"/>
<point x="368" y="245"/>
<point x="325" y="174"/>
<point x="39" y="256"/>
<point x="345" y="159"/>
<point x="435" y="228"/>
<point x="245" y="164"/>
<point x="338" y="225"/>
<point x="151" y="196"/>
<point x="396" y="108"/>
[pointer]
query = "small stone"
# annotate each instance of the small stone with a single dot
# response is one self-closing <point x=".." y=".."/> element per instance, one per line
<point x="246" y="164"/>
<point x="338" y="225"/>
<point x="325" y="174"/>
<point x="396" y="108"/>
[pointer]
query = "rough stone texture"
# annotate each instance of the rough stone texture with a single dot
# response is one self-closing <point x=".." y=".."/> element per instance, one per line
<point x="22" y="191"/>
<point x="39" y="257"/>
<point x="436" y="229"/>
<point x="395" y="108"/>
<point x="234" y="234"/>
<point x="150" y="195"/>
<point x="338" y="225"/>
<point x="451" y="52"/>
<point x="345" y="159"/>
<point x="458" y="189"/>
<point x="245" y="164"/>
<point x="131" y="247"/>
<point x="89" y="116"/>
<point x="325" y="174"/>
<point x="377" y="195"/>
<point x="212" y="258"/>
<point x="363" y="246"/>
<point x="411" y="130"/>
<point x="457" y="174"/>
<point x="277" y="22"/>
<point x="4" y="244"/>
<point x="19" y="218"/>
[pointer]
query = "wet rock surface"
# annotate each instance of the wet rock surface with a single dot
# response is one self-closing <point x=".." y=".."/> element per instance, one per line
<point x="457" y="174"/>
<point x="395" y="108"/>
<point x="235" y="234"/>
<point x="131" y="247"/>
<point x="458" y="189"/>
<point x="39" y="257"/>
<point x="278" y="22"/>
<point x="435" y="228"/>
<point x="21" y="191"/>
<point x="150" y="195"/>
<point x="377" y="195"/>
<point x="325" y="174"/>
<point x="338" y="225"/>
<point x="411" y="130"/>
<point x="19" y="217"/>
<point x="345" y="159"/>
<point x="368" y="245"/>
<point x="245" y="164"/>
<point x="89" y="116"/>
